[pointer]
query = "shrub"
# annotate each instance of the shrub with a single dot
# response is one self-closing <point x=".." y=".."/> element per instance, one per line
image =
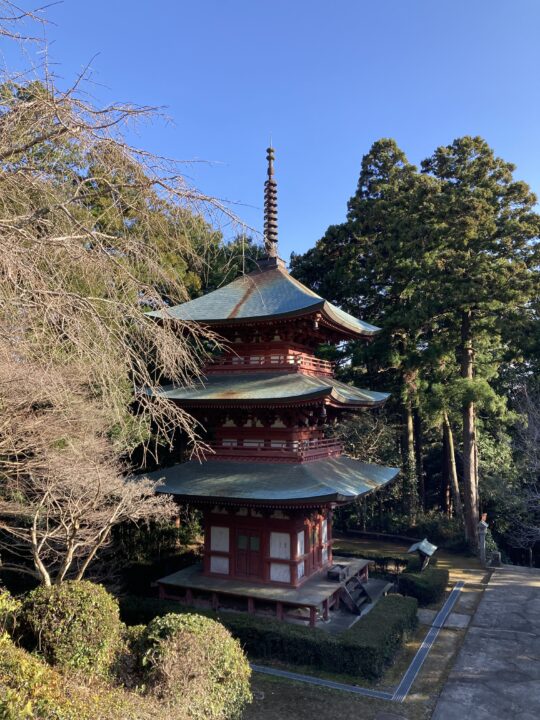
<point x="427" y="587"/>
<point x="194" y="664"/>
<point x="74" y="624"/>
<point x="9" y="610"/>
<point x="29" y="688"/>
<point x="362" y="651"/>
<point x="128" y="661"/>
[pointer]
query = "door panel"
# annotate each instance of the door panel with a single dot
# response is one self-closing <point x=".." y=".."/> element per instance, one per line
<point x="248" y="553"/>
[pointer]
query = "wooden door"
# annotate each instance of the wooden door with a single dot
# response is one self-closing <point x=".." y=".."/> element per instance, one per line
<point x="248" y="553"/>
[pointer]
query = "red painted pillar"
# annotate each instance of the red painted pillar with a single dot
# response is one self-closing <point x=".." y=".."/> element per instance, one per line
<point x="206" y="552"/>
<point x="329" y="518"/>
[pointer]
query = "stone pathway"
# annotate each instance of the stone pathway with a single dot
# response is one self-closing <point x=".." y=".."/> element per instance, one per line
<point x="496" y="675"/>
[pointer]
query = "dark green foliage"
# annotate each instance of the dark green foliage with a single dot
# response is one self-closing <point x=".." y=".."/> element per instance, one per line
<point x="74" y="625"/>
<point x="152" y="541"/>
<point x="363" y="651"/>
<point x="383" y="562"/>
<point x="445" y="260"/>
<point x="194" y="662"/>
<point x="225" y="261"/>
<point x="145" y="552"/>
<point x="427" y="587"/>
<point x="440" y="530"/>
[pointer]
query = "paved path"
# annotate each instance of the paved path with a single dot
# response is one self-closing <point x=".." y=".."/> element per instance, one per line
<point x="496" y="675"/>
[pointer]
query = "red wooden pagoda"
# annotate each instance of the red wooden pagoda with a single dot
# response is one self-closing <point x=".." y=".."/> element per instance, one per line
<point x="269" y="489"/>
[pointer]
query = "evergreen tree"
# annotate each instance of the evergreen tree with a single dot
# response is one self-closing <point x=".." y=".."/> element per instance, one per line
<point x="446" y="262"/>
<point x="486" y="256"/>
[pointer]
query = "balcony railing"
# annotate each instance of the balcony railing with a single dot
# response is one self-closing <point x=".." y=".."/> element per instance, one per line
<point x="276" y="450"/>
<point x="291" y="362"/>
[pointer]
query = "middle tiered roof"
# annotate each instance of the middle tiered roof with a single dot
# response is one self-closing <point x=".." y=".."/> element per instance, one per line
<point x="272" y="388"/>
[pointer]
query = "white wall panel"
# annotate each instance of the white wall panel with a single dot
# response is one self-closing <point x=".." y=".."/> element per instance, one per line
<point x="280" y="545"/>
<point x="219" y="564"/>
<point x="280" y="572"/>
<point x="219" y="538"/>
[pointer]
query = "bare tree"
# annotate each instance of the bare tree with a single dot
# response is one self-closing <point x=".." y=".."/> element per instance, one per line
<point x="92" y="233"/>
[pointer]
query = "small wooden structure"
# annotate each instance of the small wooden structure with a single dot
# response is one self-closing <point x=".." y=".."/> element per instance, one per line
<point x="425" y="551"/>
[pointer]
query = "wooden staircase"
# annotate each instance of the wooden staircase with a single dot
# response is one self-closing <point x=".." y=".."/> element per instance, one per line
<point x="355" y="593"/>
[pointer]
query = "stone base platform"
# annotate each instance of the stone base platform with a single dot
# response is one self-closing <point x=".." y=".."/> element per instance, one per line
<point x="309" y="603"/>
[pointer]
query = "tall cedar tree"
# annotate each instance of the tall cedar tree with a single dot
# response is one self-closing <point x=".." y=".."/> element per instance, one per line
<point x="485" y="270"/>
<point x="369" y="265"/>
<point x="443" y="261"/>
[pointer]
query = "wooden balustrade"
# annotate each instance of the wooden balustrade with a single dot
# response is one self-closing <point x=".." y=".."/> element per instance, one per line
<point x="289" y="450"/>
<point x="291" y="362"/>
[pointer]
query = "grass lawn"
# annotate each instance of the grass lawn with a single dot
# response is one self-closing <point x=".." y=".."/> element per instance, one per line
<point x="280" y="699"/>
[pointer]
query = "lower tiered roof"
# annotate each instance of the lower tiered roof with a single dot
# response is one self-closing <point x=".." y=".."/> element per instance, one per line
<point x="339" y="480"/>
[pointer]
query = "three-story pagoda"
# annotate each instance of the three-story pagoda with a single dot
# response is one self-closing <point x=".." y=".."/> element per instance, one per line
<point x="268" y="491"/>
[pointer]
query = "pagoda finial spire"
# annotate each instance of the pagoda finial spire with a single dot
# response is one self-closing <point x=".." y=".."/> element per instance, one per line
<point x="270" y="208"/>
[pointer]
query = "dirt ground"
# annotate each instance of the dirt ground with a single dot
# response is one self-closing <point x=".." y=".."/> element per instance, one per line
<point x="279" y="699"/>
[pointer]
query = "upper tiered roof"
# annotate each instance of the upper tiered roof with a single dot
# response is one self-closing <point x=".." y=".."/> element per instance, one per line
<point x="267" y="293"/>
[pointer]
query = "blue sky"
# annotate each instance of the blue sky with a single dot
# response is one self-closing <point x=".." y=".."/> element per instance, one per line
<point x="325" y="79"/>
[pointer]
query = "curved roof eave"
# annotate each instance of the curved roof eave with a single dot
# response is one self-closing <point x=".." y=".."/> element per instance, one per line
<point x="264" y="295"/>
<point x="347" y="402"/>
<point x="327" y="480"/>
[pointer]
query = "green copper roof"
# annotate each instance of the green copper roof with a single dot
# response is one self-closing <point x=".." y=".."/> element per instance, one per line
<point x="339" y="479"/>
<point x="267" y="293"/>
<point x="272" y="387"/>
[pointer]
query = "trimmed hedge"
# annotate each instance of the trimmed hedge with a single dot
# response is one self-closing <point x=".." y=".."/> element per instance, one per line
<point x="193" y="662"/>
<point x="362" y="651"/>
<point x="75" y="625"/>
<point x="427" y="587"/>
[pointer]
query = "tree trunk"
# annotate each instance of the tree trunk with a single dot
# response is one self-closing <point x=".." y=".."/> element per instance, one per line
<point x="445" y="493"/>
<point x="419" y="457"/>
<point x="452" y="470"/>
<point x="410" y="490"/>
<point x="470" y="478"/>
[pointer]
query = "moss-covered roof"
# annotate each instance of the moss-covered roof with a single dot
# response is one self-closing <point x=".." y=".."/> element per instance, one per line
<point x="265" y="294"/>
<point x="338" y="480"/>
<point x="262" y="387"/>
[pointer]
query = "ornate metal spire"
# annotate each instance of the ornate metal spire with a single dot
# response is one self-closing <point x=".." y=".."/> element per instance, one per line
<point x="270" y="208"/>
